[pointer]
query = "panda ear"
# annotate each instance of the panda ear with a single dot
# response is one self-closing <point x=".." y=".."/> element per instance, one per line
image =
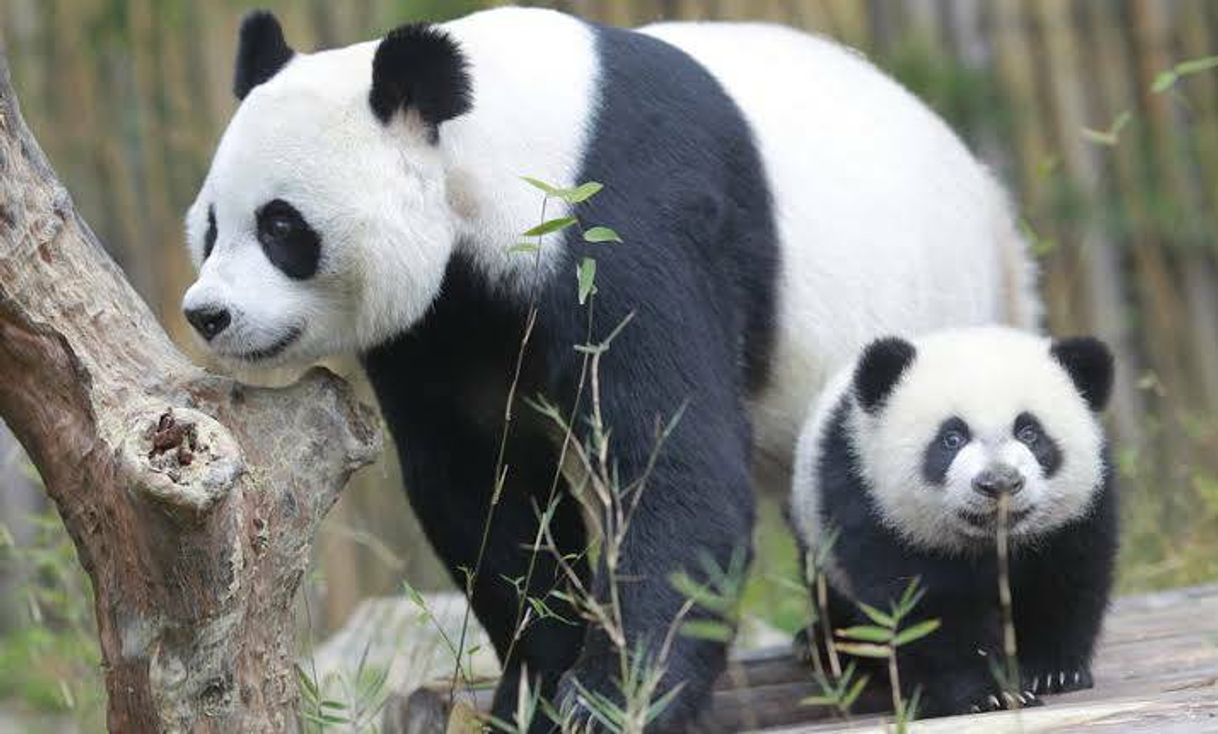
<point x="261" y="51"/>
<point x="1089" y="363"/>
<point x="420" y="67"/>
<point x="881" y="366"/>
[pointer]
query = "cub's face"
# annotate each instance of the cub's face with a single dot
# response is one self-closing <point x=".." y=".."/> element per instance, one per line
<point x="947" y="426"/>
<point x="322" y="225"/>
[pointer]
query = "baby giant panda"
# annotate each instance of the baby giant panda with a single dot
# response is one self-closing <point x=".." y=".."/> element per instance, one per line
<point x="905" y="456"/>
<point x="781" y="203"/>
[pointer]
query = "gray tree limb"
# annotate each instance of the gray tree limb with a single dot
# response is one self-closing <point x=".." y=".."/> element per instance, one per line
<point x="193" y="500"/>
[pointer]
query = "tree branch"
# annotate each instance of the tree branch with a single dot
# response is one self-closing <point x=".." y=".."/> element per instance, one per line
<point x="193" y="500"/>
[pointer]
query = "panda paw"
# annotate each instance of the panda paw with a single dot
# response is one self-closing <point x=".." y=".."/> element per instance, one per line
<point x="1004" y="701"/>
<point x="1058" y="681"/>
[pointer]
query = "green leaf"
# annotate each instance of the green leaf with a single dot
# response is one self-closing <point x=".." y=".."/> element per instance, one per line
<point x="863" y="649"/>
<point x="333" y="705"/>
<point x="866" y="633"/>
<point x="916" y="632"/>
<point x="585" y="274"/>
<point x="552" y="225"/>
<point x="550" y="189"/>
<point x="601" y="234"/>
<point x="853" y="694"/>
<point x="307" y="683"/>
<point x="1164" y="81"/>
<point x="1192" y="66"/>
<point x="706" y="629"/>
<point x="701" y="594"/>
<point x="880" y="618"/>
<point x="583" y="192"/>
<point x="523" y="247"/>
<point x="818" y="701"/>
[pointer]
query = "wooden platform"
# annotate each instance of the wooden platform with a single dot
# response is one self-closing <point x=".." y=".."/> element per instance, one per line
<point x="1156" y="671"/>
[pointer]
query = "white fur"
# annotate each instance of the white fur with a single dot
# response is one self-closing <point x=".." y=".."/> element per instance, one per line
<point x="887" y="223"/>
<point x="391" y="208"/>
<point x="986" y="376"/>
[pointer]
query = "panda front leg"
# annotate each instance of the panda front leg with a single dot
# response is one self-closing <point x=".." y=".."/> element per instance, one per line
<point x="448" y="466"/>
<point x="695" y="510"/>
<point x="953" y="667"/>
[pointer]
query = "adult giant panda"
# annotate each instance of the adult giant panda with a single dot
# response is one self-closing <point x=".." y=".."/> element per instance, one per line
<point x="781" y="202"/>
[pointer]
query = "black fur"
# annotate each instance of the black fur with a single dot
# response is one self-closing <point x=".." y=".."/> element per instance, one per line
<point x="1060" y="588"/>
<point x="287" y="239"/>
<point x="1088" y="361"/>
<point x="938" y="457"/>
<point x="881" y="366"/>
<point x="1048" y="454"/>
<point x="418" y="66"/>
<point x="261" y="51"/>
<point x="686" y="191"/>
<point x="209" y="239"/>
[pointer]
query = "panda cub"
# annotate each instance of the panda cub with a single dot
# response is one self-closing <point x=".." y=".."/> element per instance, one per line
<point x="906" y="453"/>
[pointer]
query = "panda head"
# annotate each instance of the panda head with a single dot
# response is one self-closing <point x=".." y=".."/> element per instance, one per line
<point x="322" y="226"/>
<point x="944" y="425"/>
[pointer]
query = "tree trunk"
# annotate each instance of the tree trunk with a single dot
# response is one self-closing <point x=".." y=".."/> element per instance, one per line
<point x="193" y="500"/>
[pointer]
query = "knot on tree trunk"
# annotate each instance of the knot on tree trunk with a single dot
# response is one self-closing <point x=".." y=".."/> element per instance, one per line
<point x="181" y="459"/>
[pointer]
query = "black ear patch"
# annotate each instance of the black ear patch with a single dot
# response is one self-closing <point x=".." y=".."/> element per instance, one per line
<point x="261" y="51"/>
<point x="1088" y="361"/>
<point x="881" y="366"/>
<point x="418" y="66"/>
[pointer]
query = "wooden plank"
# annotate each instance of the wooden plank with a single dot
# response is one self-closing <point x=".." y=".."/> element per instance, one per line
<point x="1156" y="671"/>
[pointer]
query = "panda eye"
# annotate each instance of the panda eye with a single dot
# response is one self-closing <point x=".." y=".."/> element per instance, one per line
<point x="1028" y="435"/>
<point x="277" y="227"/>
<point x="953" y="440"/>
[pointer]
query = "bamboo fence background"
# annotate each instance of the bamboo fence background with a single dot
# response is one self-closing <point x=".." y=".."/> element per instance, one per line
<point x="129" y="97"/>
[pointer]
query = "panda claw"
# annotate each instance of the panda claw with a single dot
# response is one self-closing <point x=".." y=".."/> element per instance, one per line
<point x="994" y="703"/>
<point x="1077" y="677"/>
<point x="975" y="709"/>
<point x="1061" y="679"/>
<point x="1036" y="684"/>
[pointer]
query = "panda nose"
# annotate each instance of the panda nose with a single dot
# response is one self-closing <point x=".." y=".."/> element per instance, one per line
<point x="208" y="320"/>
<point x="996" y="480"/>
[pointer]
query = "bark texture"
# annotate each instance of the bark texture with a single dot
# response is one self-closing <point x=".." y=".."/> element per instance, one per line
<point x="193" y="500"/>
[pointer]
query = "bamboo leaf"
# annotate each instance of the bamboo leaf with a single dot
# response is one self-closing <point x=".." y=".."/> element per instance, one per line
<point x="818" y="701"/>
<point x="583" y="192"/>
<point x="585" y="275"/>
<point x="706" y="629"/>
<point x="863" y="649"/>
<point x="853" y="694"/>
<point x="1193" y="66"/>
<point x="551" y="225"/>
<point x="880" y="618"/>
<point x="549" y="189"/>
<point x="601" y="234"/>
<point x="866" y="633"/>
<point x="523" y="247"/>
<point x="1164" y="81"/>
<point x="916" y="632"/>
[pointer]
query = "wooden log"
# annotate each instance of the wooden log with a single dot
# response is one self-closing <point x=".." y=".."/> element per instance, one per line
<point x="1157" y="666"/>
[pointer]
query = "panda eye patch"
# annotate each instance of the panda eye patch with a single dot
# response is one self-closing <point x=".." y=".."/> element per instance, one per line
<point x="287" y="239"/>
<point x="1029" y="431"/>
<point x="953" y="435"/>
<point x="209" y="239"/>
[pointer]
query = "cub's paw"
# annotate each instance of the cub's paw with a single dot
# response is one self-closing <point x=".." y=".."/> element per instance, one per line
<point x="1003" y="701"/>
<point x="1043" y="682"/>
